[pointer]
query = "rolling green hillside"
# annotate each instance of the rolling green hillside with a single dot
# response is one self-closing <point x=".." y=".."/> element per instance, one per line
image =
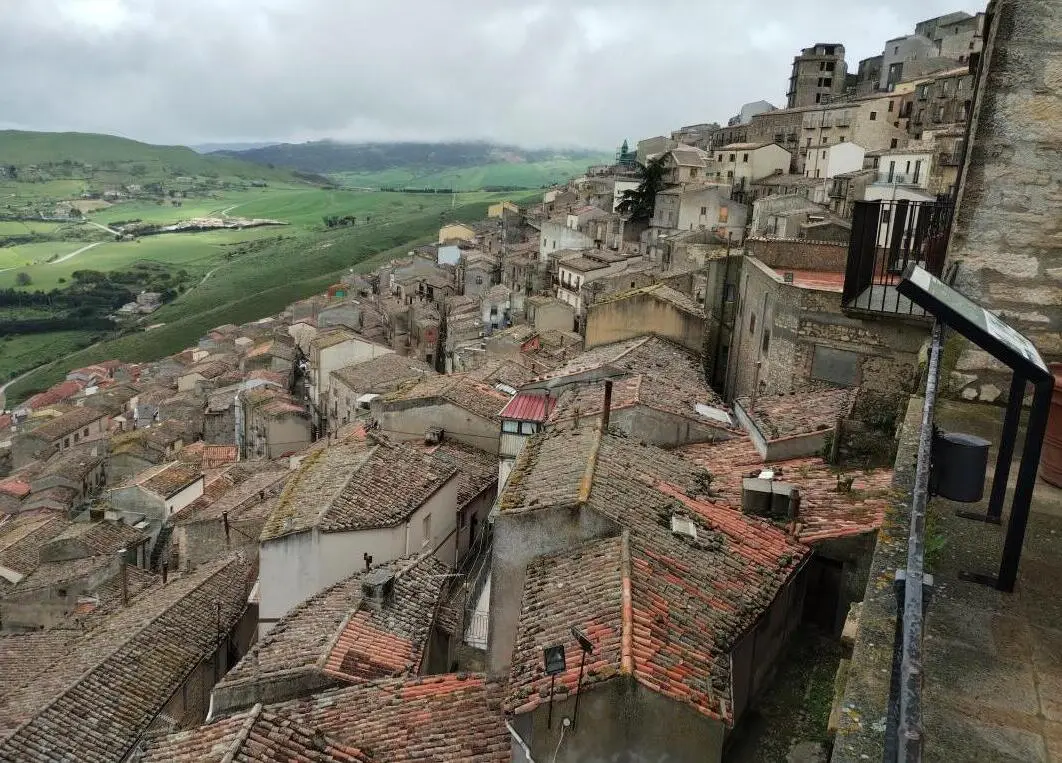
<point x="488" y="176"/>
<point x="73" y="154"/>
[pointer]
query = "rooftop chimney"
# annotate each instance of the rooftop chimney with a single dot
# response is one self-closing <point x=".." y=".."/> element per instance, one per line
<point x="376" y="588"/>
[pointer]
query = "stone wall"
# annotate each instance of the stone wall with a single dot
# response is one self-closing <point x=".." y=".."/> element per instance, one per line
<point x="799" y="254"/>
<point x="1007" y="236"/>
<point x="614" y="320"/>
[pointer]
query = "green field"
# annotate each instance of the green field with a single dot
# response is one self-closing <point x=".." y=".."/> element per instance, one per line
<point x="264" y="282"/>
<point x="502" y="174"/>
<point x="20" y="352"/>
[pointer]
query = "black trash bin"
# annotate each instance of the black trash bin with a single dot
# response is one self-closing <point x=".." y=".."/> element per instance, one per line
<point x="960" y="463"/>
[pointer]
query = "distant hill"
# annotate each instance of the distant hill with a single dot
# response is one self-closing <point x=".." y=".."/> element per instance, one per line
<point x="329" y="157"/>
<point x="38" y="156"/>
<point x="210" y="148"/>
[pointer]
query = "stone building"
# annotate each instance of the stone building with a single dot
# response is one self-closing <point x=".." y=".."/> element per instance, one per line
<point x="1005" y="236"/>
<point x="792" y="329"/>
<point x="818" y="75"/>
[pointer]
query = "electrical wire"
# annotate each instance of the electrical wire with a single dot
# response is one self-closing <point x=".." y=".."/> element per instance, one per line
<point x="556" y="752"/>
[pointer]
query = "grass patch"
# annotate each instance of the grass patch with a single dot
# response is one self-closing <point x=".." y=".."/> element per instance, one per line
<point x="21" y="353"/>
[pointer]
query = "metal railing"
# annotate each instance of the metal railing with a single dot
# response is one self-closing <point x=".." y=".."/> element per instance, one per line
<point x="887" y="236"/>
<point x="901" y="178"/>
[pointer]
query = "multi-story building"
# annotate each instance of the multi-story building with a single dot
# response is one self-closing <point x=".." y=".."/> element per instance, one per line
<point x="873" y="122"/>
<point x="818" y="75"/>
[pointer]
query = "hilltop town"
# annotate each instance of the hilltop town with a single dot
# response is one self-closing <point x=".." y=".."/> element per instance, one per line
<point x="569" y="481"/>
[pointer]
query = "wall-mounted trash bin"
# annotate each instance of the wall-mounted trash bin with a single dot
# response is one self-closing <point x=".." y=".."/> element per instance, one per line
<point x="960" y="463"/>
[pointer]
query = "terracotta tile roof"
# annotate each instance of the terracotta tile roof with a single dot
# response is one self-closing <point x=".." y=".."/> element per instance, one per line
<point x="22" y="535"/>
<point x="55" y="394"/>
<point x="279" y="408"/>
<point x="24" y="656"/>
<point x="502" y="372"/>
<point x="210" y="369"/>
<point x="382" y="373"/>
<point x="99" y="696"/>
<point x="800" y="413"/>
<point x="54" y="573"/>
<point x="327" y="339"/>
<point x="825" y="512"/>
<point x="273" y="377"/>
<point x="658" y="291"/>
<point x="233" y="492"/>
<point x="102" y="537"/>
<point x="691" y="600"/>
<point x="335" y="634"/>
<point x="16" y="487"/>
<point x="208" y="457"/>
<point x="68" y="423"/>
<point x="357" y="486"/>
<point x="583" y="588"/>
<point x="170" y="479"/>
<point x="437" y="719"/>
<point x="462" y="390"/>
<point x="149" y="443"/>
<point x="257" y="736"/>
<point x="477" y="470"/>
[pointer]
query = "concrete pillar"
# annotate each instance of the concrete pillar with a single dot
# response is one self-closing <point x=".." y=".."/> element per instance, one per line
<point x="1007" y="235"/>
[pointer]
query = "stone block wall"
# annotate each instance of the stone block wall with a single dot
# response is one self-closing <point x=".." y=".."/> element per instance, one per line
<point x="799" y="254"/>
<point x="1007" y="236"/>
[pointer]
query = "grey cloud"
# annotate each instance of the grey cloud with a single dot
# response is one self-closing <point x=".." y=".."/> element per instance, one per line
<point x="551" y="72"/>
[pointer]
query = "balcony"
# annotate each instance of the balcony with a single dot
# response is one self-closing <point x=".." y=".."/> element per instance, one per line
<point x="887" y="236"/>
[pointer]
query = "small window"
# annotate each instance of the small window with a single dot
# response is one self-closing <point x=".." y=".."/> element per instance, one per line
<point x="820" y="82"/>
<point x="720" y="157"/>
<point x="891" y="105"/>
<point x="77" y="438"/>
<point x="730" y="292"/>
<point x="426" y="527"/>
<point x="744" y="157"/>
<point x="818" y="97"/>
<point x="827" y="82"/>
<point x="752" y="322"/>
<point x="527" y="427"/>
<point x="893" y="143"/>
<point x="830" y="66"/>
<point x="510" y="426"/>
<point x="825" y="140"/>
<point x="66" y="442"/>
<point x="766" y="341"/>
<point x="704" y="210"/>
<point x="823" y="154"/>
<point x="733" y="157"/>
<point x="479" y="279"/>
<point x="873" y="116"/>
<point x="724" y="214"/>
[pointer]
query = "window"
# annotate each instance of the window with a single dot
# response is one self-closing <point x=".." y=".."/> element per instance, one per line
<point x="510" y="426"/>
<point x="827" y="81"/>
<point x="822" y="66"/>
<point x="840" y="139"/>
<point x="823" y="154"/>
<point x="809" y="142"/>
<point x="426" y="522"/>
<point x="825" y="140"/>
<point x="820" y="82"/>
<point x="77" y="437"/>
<point x="66" y="442"/>
<point x="704" y="211"/>
<point x="873" y="116"/>
<point x="830" y="66"/>
<point x="779" y="137"/>
<point x="729" y="174"/>
<point x="745" y="157"/>
<point x="816" y="173"/>
<point x="766" y="341"/>
<point x="893" y="143"/>
<point x="730" y="292"/>
<point x="917" y="171"/>
<point x="818" y="97"/>
<point x="752" y="322"/>
<point x="724" y="214"/>
<point x="479" y="279"/>
<point x="891" y="105"/>
<point x="720" y="157"/>
<point x="896" y="50"/>
<point x="733" y="157"/>
<point x="528" y="427"/>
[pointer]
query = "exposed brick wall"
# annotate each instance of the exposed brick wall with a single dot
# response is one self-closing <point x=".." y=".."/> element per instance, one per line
<point x="799" y="254"/>
<point x="1008" y="231"/>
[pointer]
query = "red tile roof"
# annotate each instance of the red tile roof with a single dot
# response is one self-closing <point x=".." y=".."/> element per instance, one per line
<point x="16" y="487"/>
<point x="55" y="394"/>
<point x="690" y="600"/>
<point x="800" y="413"/>
<point x="529" y="406"/>
<point x="825" y="512"/>
<point x="437" y="719"/>
<point x="256" y="736"/>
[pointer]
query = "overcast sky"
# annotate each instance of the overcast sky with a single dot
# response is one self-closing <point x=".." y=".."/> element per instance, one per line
<point x="531" y="72"/>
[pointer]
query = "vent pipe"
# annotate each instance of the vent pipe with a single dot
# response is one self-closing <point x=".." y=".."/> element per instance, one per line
<point x="124" y="576"/>
<point x="608" y="406"/>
